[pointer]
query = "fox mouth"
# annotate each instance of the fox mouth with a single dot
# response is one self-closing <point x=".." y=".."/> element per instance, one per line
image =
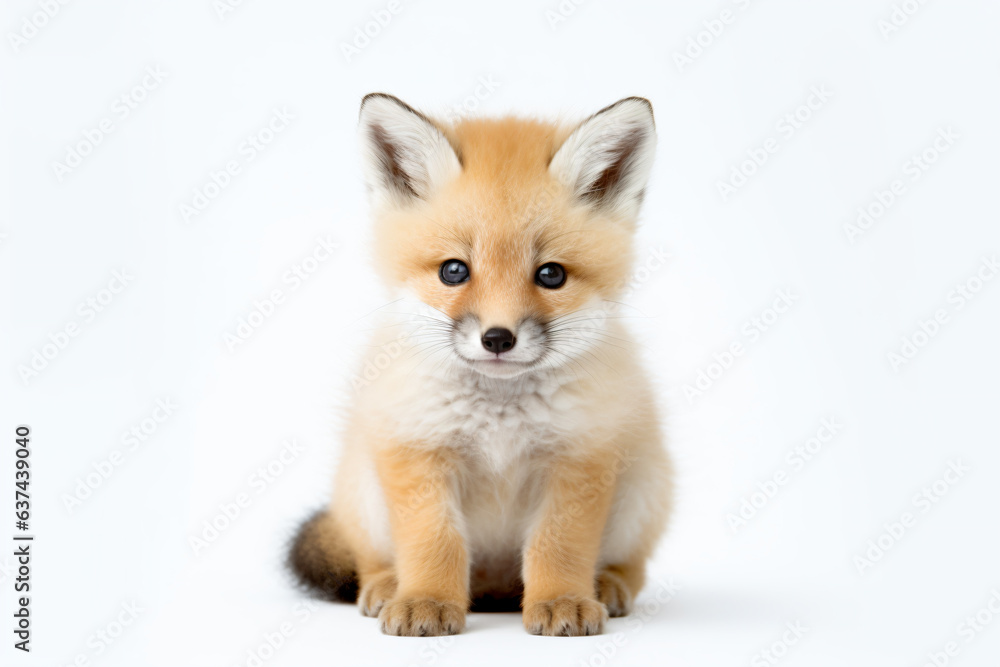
<point x="478" y="346"/>
<point x="497" y="365"/>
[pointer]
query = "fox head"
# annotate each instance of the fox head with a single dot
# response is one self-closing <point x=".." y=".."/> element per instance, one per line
<point x="515" y="233"/>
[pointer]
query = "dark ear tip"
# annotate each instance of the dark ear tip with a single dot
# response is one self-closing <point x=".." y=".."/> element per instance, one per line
<point x="374" y="96"/>
<point x="371" y="96"/>
<point x="634" y="99"/>
<point x="391" y="98"/>
<point x="641" y="100"/>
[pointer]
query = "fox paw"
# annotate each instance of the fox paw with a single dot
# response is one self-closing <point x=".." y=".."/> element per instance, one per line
<point x="612" y="591"/>
<point x="420" y="617"/>
<point x="376" y="592"/>
<point x="568" y="616"/>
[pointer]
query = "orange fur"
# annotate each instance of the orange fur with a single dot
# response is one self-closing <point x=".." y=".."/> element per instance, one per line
<point x="504" y="213"/>
<point x="566" y="491"/>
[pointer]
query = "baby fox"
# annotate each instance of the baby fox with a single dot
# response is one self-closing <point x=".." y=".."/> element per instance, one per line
<point x="504" y="447"/>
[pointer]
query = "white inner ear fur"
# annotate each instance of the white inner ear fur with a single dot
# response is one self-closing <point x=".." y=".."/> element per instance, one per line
<point x="405" y="155"/>
<point x="607" y="159"/>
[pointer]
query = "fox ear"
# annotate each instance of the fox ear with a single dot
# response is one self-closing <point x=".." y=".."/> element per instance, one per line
<point x="406" y="156"/>
<point x="607" y="159"/>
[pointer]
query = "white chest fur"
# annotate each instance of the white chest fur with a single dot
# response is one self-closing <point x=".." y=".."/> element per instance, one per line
<point x="503" y="431"/>
<point x="492" y="422"/>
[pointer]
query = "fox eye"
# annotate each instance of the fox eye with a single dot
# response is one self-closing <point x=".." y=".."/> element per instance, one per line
<point x="453" y="272"/>
<point x="550" y="275"/>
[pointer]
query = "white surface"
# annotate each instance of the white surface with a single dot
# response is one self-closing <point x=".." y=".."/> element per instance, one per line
<point x="163" y="336"/>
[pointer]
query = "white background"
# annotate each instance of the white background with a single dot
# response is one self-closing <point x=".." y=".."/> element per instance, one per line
<point x="162" y="337"/>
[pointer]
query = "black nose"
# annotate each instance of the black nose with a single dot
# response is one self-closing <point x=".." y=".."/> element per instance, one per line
<point x="498" y="340"/>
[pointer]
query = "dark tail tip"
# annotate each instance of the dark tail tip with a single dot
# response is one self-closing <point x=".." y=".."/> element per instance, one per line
<point x="321" y="561"/>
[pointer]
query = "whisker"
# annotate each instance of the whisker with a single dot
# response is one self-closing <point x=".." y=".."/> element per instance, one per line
<point x="377" y="309"/>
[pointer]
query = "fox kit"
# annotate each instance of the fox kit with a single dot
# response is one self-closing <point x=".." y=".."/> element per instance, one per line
<point x="504" y="448"/>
